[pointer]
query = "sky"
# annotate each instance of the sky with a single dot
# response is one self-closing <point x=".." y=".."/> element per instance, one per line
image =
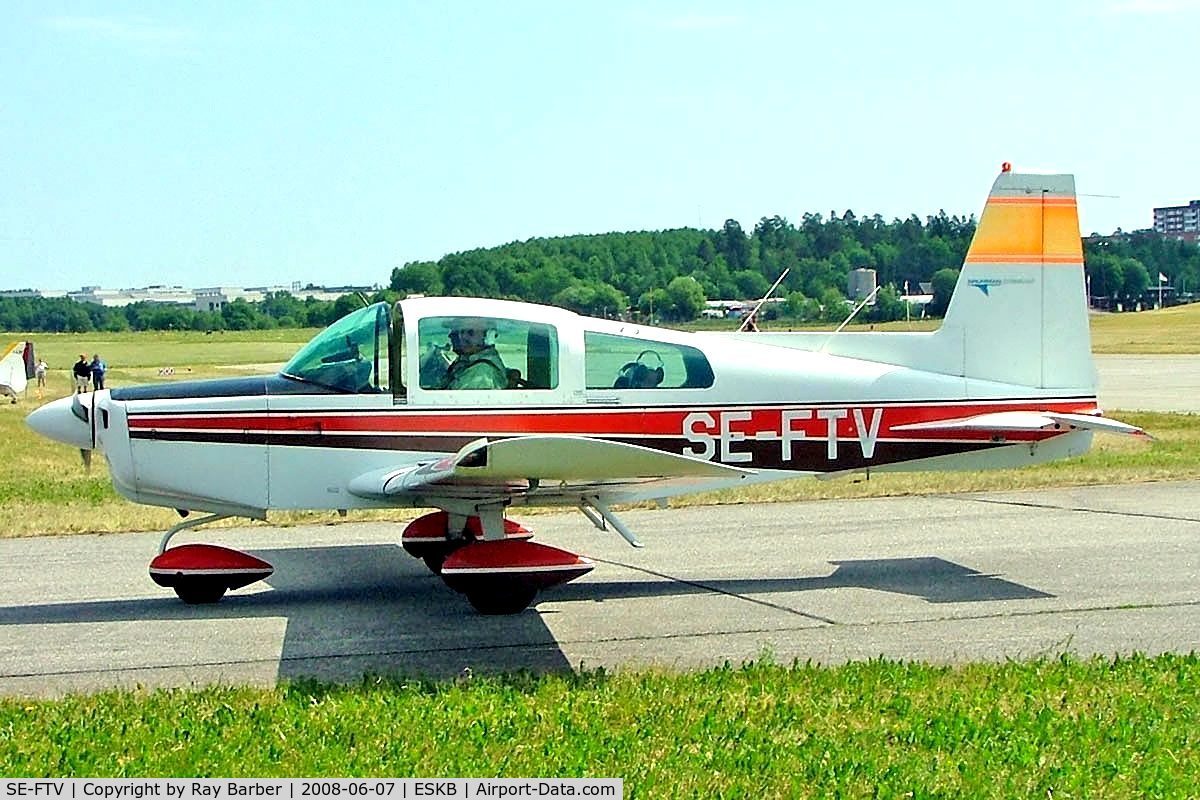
<point x="241" y="143"/>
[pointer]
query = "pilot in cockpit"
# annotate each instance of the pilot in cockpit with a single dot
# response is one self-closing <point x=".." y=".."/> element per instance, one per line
<point x="478" y="365"/>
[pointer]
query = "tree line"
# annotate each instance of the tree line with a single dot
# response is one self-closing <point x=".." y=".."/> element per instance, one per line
<point x="667" y="275"/>
<point x="276" y="310"/>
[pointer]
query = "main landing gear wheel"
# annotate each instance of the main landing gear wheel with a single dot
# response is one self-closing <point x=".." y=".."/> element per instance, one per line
<point x="196" y="591"/>
<point x="502" y="597"/>
<point x="435" y="557"/>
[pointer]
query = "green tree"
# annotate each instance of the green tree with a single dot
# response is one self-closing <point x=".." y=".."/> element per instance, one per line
<point x="1136" y="279"/>
<point x="417" y="277"/>
<point x="944" y="281"/>
<point x="834" y="307"/>
<point x="685" y="299"/>
<point x="732" y="243"/>
<point x="888" y="306"/>
<point x="751" y="285"/>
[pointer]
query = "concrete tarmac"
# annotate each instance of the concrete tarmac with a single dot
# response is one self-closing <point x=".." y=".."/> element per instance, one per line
<point x="945" y="579"/>
<point x="1149" y="383"/>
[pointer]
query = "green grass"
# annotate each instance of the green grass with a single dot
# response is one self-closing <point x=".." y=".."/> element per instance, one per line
<point x="178" y="349"/>
<point x="1126" y="727"/>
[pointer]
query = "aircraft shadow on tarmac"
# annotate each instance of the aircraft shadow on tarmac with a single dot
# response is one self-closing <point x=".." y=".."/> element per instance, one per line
<point x="371" y="609"/>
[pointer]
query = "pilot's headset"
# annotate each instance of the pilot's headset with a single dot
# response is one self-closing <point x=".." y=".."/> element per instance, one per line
<point x="644" y="372"/>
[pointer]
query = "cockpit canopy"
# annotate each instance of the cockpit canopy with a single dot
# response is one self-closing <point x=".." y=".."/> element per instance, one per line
<point x="536" y="349"/>
<point x="351" y="355"/>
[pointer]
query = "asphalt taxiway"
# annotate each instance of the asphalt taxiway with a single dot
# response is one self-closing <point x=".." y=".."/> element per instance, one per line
<point x="1149" y="382"/>
<point x="1096" y="570"/>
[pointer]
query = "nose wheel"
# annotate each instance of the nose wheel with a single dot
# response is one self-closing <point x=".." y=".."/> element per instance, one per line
<point x="195" y="591"/>
<point x="201" y="573"/>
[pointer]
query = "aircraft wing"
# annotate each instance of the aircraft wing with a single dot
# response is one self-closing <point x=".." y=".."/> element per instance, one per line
<point x="1016" y="421"/>
<point x="548" y="465"/>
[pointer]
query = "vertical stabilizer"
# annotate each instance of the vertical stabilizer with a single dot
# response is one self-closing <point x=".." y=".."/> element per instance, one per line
<point x="1020" y="304"/>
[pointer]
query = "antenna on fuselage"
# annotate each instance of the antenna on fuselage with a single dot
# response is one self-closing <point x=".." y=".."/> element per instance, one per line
<point x="853" y="314"/>
<point x="748" y="323"/>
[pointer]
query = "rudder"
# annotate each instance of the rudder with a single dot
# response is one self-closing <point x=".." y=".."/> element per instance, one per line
<point x="1020" y="303"/>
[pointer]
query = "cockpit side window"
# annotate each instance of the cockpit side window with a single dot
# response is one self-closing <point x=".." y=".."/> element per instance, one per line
<point x="622" y="362"/>
<point x="351" y="355"/>
<point x="399" y="357"/>
<point x="472" y="352"/>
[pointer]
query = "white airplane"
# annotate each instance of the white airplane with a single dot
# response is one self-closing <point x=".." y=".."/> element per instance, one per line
<point x="591" y="413"/>
<point x="16" y="368"/>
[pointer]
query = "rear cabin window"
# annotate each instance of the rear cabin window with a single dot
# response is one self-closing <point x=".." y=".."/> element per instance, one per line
<point x="490" y="353"/>
<point x="621" y="362"/>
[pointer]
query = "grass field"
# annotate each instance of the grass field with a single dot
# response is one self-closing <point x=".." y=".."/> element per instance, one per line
<point x="1057" y="728"/>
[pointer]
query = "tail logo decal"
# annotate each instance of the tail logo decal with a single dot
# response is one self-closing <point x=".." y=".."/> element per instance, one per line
<point x="985" y="284"/>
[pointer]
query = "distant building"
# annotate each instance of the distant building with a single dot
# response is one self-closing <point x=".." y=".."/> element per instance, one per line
<point x="214" y="298"/>
<point x="171" y="295"/>
<point x="210" y="298"/>
<point x="1179" y="222"/>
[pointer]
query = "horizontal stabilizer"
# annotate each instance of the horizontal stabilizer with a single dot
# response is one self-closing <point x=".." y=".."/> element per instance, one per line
<point x="1015" y="421"/>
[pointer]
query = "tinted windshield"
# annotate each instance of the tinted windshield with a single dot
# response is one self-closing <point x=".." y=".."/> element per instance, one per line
<point x="351" y="355"/>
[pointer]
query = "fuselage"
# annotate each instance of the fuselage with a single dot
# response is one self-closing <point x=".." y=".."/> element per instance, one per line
<point x="364" y="395"/>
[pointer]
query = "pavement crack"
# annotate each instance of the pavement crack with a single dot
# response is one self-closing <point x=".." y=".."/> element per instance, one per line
<point x="718" y="590"/>
<point x="1057" y="507"/>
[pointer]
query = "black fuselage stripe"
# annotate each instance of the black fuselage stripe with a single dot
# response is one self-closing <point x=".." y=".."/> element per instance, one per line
<point x="804" y="455"/>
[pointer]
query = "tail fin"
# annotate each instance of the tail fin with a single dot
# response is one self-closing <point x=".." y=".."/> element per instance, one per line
<point x="1020" y="304"/>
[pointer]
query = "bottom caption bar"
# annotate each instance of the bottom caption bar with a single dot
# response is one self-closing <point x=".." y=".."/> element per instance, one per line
<point x="304" y="788"/>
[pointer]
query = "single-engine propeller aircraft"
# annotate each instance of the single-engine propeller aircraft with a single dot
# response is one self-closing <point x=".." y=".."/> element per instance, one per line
<point x="16" y="369"/>
<point x="476" y="406"/>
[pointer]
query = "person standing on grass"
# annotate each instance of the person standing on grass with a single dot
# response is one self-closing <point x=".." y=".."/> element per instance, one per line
<point x="98" y="368"/>
<point x="83" y="374"/>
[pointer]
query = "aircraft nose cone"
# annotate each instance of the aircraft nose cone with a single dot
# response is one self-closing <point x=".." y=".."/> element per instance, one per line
<point x="57" y="420"/>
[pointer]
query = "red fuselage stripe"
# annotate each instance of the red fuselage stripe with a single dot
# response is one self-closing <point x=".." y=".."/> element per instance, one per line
<point x="594" y="422"/>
